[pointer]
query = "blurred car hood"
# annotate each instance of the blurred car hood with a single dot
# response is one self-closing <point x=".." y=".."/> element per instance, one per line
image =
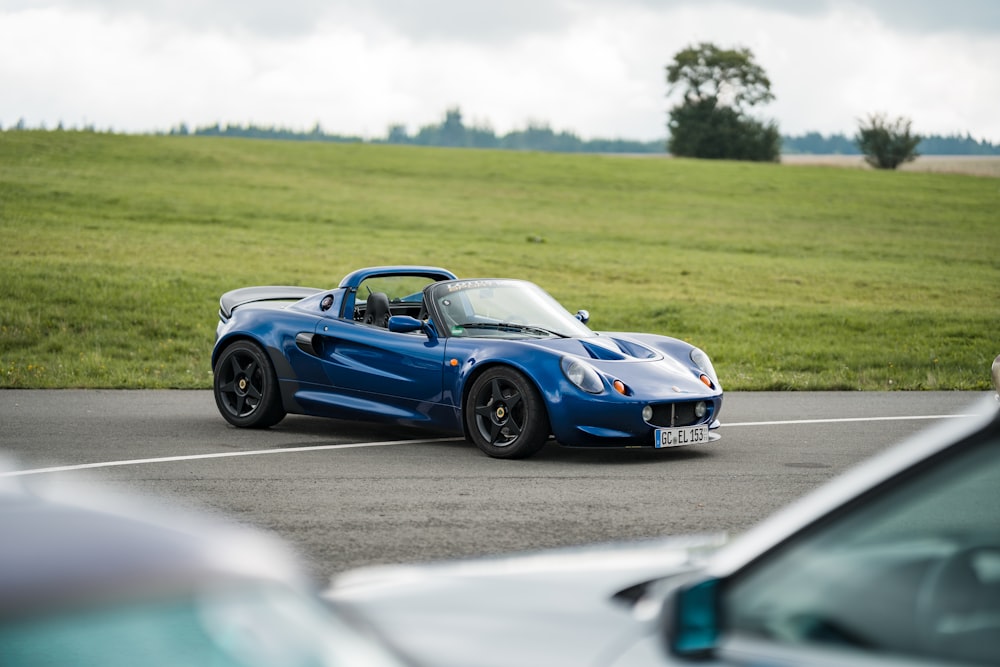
<point x="565" y="606"/>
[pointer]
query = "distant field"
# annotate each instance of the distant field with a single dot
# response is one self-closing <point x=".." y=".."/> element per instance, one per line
<point x="116" y="248"/>
<point x="974" y="165"/>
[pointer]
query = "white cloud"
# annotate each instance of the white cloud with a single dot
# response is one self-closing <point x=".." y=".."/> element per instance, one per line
<point x="589" y="66"/>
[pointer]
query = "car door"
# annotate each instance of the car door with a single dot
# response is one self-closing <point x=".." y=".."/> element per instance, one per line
<point x="911" y="571"/>
<point x="395" y="375"/>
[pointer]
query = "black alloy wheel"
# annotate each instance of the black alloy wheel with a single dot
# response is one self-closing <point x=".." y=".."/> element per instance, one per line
<point x="504" y="414"/>
<point x="246" y="388"/>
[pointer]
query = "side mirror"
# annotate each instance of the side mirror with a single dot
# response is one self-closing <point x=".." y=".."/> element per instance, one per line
<point x="583" y="316"/>
<point x="404" y="324"/>
<point x="695" y="625"/>
<point x="407" y="324"/>
<point x="996" y="376"/>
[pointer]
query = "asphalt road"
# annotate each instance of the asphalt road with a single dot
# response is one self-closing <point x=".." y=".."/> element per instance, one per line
<point x="346" y="494"/>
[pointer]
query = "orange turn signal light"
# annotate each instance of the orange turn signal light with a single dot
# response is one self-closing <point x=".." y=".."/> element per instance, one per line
<point x="706" y="381"/>
<point x="620" y="387"/>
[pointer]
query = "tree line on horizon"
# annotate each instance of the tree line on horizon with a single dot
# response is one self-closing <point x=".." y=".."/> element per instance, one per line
<point x="452" y="132"/>
<point x="540" y="137"/>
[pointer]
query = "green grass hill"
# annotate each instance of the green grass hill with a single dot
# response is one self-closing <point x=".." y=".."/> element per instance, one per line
<point x="115" y="250"/>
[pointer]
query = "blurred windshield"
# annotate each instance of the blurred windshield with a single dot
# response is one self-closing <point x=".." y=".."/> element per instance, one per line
<point x="502" y="308"/>
<point x="248" y="627"/>
<point x="913" y="570"/>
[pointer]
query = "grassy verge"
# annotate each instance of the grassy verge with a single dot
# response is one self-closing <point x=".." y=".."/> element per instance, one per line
<point x="116" y="248"/>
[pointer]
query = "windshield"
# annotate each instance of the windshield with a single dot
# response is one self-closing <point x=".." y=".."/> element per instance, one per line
<point x="399" y="289"/>
<point x="246" y="627"/>
<point x="914" y="571"/>
<point x="501" y="308"/>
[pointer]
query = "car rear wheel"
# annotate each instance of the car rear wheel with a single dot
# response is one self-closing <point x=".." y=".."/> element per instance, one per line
<point x="246" y="388"/>
<point x="504" y="414"/>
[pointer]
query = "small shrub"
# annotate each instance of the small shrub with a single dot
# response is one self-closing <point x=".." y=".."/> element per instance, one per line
<point x="887" y="144"/>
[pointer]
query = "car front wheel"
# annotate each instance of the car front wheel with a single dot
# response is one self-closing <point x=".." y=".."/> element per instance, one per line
<point x="246" y="388"/>
<point x="504" y="414"/>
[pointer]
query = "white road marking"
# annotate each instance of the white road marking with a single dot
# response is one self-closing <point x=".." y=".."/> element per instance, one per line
<point x="219" y="455"/>
<point x="386" y="443"/>
<point x="845" y="419"/>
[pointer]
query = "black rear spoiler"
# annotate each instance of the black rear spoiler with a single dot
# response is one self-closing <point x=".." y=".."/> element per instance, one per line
<point x="232" y="300"/>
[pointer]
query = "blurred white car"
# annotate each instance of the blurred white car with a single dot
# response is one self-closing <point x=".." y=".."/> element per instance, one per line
<point x="895" y="562"/>
<point x="91" y="580"/>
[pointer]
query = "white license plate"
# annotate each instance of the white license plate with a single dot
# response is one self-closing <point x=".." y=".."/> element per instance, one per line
<point x="677" y="437"/>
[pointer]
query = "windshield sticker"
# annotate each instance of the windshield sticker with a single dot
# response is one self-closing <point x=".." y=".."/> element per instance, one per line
<point x="474" y="284"/>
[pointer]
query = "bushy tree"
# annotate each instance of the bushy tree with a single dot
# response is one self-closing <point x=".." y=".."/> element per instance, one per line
<point x="704" y="130"/>
<point x="885" y="143"/>
<point x="719" y="87"/>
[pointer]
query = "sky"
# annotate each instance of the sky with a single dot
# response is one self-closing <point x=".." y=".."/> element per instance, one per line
<point x="592" y="67"/>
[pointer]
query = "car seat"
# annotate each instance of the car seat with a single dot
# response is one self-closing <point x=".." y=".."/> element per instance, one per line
<point x="377" y="309"/>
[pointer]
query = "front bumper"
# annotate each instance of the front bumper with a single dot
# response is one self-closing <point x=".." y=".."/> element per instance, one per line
<point x="610" y="421"/>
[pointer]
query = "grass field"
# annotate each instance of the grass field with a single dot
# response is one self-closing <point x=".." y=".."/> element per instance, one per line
<point x="116" y="248"/>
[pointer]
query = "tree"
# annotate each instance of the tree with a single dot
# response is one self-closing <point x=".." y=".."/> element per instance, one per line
<point x="719" y="88"/>
<point x="704" y="130"/>
<point x="397" y="134"/>
<point x="886" y="144"/>
<point x="452" y="130"/>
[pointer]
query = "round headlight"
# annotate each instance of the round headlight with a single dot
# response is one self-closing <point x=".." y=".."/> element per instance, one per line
<point x="700" y="409"/>
<point x="647" y="413"/>
<point x="582" y="375"/>
<point x="704" y="364"/>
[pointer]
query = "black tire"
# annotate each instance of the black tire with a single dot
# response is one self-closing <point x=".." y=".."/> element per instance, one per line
<point x="246" y="388"/>
<point x="504" y="414"/>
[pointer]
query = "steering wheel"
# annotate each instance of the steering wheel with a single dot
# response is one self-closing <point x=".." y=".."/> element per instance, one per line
<point x="952" y="600"/>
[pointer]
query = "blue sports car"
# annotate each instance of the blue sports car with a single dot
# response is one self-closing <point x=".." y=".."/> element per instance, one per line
<point x="498" y="360"/>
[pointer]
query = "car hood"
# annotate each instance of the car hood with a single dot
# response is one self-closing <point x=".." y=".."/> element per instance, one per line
<point x="639" y="363"/>
<point x="555" y="607"/>
<point x="605" y="347"/>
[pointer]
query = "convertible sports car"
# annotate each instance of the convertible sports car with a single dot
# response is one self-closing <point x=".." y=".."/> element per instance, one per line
<point x="496" y="359"/>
